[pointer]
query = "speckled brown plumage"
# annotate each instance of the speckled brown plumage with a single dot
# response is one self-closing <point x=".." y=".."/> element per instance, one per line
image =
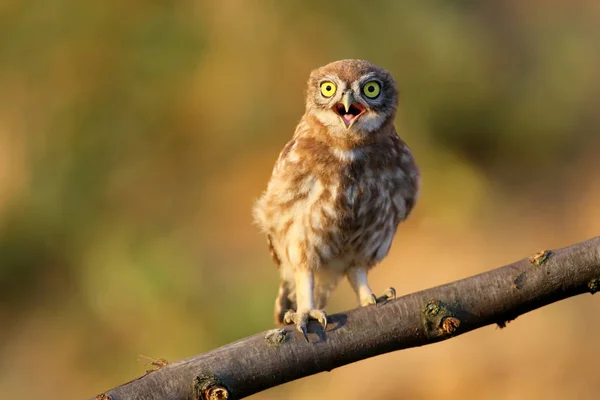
<point x="338" y="191"/>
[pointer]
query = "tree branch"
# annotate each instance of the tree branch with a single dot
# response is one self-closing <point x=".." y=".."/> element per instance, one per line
<point x="277" y="356"/>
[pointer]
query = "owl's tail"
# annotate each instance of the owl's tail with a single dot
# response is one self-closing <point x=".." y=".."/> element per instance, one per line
<point x="283" y="302"/>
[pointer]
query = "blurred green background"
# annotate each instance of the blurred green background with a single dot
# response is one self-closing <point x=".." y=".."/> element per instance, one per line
<point x="135" y="136"/>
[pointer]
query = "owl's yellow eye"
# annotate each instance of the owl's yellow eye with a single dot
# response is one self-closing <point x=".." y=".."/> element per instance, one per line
<point x="328" y="89"/>
<point x="371" y="89"/>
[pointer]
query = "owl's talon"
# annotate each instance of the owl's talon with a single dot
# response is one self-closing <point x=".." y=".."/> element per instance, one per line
<point x="320" y="316"/>
<point x="390" y="293"/>
<point x="372" y="300"/>
<point x="300" y="319"/>
<point x="288" y="318"/>
<point x="302" y="329"/>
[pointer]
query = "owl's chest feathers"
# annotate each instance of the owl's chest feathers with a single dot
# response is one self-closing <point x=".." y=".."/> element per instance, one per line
<point x="361" y="197"/>
<point x="348" y="211"/>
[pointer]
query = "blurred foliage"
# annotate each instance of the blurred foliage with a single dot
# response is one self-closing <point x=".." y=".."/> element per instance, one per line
<point x="135" y="136"/>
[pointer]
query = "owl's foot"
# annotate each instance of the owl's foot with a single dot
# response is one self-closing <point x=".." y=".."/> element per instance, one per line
<point x="372" y="300"/>
<point x="300" y="319"/>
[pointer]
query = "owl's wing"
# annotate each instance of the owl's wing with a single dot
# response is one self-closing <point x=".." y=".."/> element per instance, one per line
<point x="278" y="168"/>
<point x="279" y="164"/>
<point x="282" y="156"/>
<point x="407" y="163"/>
<point x="273" y="252"/>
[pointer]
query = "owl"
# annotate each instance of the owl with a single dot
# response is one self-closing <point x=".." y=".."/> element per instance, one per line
<point x="338" y="191"/>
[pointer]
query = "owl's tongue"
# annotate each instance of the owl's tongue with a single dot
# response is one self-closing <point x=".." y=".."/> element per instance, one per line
<point x="348" y="117"/>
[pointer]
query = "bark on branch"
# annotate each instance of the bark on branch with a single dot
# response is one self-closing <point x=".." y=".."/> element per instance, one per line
<point x="277" y="356"/>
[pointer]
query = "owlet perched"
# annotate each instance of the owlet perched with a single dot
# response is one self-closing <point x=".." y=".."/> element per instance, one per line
<point x="338" y="191"/>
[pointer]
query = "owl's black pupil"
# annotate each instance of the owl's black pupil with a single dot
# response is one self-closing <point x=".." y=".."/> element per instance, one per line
<point x="371" y="89"/>
<point x="328" y="88"/>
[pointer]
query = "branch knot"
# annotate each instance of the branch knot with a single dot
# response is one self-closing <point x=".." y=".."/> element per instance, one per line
<point x="594" y="285"/>
<point x="208" y="387"/>
<point x="439" y="319"/>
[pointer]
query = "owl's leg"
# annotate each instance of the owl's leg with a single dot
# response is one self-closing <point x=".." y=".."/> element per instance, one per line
<point x="357" y="277"/>
<point x="283" y="302"/>
<point x="304" y="280"/>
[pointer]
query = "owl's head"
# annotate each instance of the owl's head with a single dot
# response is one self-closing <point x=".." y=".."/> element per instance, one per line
<point x="351" y="96"/>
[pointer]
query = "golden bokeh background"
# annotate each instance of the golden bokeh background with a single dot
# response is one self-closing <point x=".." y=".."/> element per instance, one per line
<point x="135" y="136"/>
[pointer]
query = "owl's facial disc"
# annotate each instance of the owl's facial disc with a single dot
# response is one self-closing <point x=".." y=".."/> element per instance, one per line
<point x="348" y="110"/>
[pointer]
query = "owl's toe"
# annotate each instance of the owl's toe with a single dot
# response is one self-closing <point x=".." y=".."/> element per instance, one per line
<point x="289" y="317"/>
<point x="370" y="300"/>
<point x="389" y="294"/>
<point x="320" y="316"/>
<point x="300" y="319"/>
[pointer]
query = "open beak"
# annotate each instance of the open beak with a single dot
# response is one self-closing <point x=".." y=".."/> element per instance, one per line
<point x="347" y="100"/>
<point x="348" y="110"/>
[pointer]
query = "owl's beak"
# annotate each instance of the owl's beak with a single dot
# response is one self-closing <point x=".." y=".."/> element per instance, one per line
<point x="347" y="100"/>
<point x="348" y="110"/>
